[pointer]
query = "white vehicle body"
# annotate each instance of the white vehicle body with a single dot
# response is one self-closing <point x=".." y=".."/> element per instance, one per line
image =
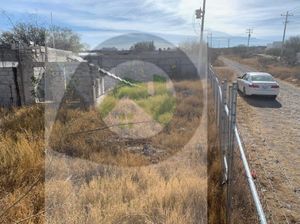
<point x="258" y="83"/>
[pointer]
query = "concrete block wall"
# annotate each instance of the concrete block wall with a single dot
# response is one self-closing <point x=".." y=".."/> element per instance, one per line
<point x="82" y="77"/>
<point x="29" y="59"/>
<point x="57" y="55"/>
<point x="173" y="63"/>
<point x="8" y="94"/>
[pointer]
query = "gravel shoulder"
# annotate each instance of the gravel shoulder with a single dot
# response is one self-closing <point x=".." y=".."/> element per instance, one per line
<point x="271" y="132"/>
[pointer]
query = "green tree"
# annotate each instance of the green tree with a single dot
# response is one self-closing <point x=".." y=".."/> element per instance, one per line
<point x="25" y="33"/>
<point x="65" y="39"/>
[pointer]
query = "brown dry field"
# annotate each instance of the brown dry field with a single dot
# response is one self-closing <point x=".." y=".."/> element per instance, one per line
<point x="290" y="74"/>
<point x="94" y="178"/>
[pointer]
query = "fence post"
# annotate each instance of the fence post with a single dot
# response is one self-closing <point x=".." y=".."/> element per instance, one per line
<point x="218" y="107"/>
<point x="229" y="119"/>
<point x="232" y="125"/>
<point x="222" y="128"/>
<point x="223" y="112"/>
<point x="210" y="75"/>
<point x="216" y="99"/>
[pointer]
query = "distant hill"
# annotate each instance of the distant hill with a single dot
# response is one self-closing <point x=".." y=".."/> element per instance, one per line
<point x="220" y="40"/>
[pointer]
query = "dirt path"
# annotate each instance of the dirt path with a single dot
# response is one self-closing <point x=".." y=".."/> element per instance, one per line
<point x="271" y="132"/>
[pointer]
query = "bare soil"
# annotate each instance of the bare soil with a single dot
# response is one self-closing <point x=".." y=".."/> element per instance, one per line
<point x="271" y="133"/>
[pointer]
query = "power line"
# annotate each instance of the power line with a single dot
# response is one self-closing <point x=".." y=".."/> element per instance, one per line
<point x="286" y="15"/>
<point x="294" y="9"/>
<point x="52" y="29"/>
<point x="249" y="32"/>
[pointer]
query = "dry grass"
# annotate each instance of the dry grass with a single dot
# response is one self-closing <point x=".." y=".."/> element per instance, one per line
<point x="21" y="162"/>
<point x="107" y="147"/>
<point x="78" y="190"/>
<point x="227" y="73"/>
<point x="218" y="63"/>
<point x="216" y="192"/>
<point x="243" y="210"/>
<point x="168" y="193"/>
<point x="290" y="74"/>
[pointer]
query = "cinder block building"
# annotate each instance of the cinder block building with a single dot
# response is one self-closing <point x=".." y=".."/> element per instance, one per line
<point x="37" y="74"/>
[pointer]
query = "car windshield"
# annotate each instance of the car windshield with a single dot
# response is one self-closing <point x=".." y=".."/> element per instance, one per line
<point x="262" y="78"/>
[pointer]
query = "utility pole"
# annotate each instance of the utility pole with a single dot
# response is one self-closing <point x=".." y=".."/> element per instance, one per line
<point x="52" y="29"/>
<point x="284" y="30"/>
<point x="249" y="31"/>
<point x="228" y="42"/>
<point x="209" y="39"/>
<point x="200" y="14"/>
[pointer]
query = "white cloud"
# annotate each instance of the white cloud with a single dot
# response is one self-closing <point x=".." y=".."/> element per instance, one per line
<point x="106" y="18"/>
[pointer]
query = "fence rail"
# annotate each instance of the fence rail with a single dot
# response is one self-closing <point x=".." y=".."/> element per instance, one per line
<point x="225" y="100"/>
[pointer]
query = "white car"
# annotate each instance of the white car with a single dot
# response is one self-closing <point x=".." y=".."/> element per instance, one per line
<point x="258" y="83"/>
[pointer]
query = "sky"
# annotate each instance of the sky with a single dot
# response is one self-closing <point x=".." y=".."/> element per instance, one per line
<point x="173" y="20"/>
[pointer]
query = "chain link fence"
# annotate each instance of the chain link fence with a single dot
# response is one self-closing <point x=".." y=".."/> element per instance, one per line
<point x="242" y="201"/>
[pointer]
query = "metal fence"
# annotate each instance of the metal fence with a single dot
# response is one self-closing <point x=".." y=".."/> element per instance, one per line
<point x="224" y="98"/>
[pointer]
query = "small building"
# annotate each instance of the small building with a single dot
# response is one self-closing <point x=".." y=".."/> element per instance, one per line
<point x="37" y="74"/>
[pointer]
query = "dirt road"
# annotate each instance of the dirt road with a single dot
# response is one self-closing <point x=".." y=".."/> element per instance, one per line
<point x="271" y="132"/>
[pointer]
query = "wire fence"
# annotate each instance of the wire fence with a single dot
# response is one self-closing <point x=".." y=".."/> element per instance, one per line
<point x="241" y="193"/>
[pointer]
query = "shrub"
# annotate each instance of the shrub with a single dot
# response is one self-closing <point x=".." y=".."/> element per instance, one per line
<point x="292" y="47"/>
<point x="158" y="78"/>
<point x="274" y="51"/>
<point x="218" y="63"/>
<point x="133" y="93"/>
<point x="156" y="104"/>
<point x="107" y="105"/>
<point x="263" y="61"/>
<point x="165" y="118"/>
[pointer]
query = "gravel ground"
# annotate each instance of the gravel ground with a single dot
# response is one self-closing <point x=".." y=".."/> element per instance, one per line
<point x="271" y="133"/>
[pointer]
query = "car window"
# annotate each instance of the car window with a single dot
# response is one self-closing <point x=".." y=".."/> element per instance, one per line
<point x="245" y="76"/>
<point x="262" y="78"/>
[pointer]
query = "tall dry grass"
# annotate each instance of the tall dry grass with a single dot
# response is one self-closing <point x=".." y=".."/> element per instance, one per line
<point x="119" y="188"/>
<point x="218" y="63"/>
<point x="21" y="163"/>
<point x="216" y="194"/>
<point x="226" y="73"/>
<point x="174" y="192"/>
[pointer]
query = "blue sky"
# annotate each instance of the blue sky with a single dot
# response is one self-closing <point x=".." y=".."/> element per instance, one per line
<point x="98" y="20"/>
